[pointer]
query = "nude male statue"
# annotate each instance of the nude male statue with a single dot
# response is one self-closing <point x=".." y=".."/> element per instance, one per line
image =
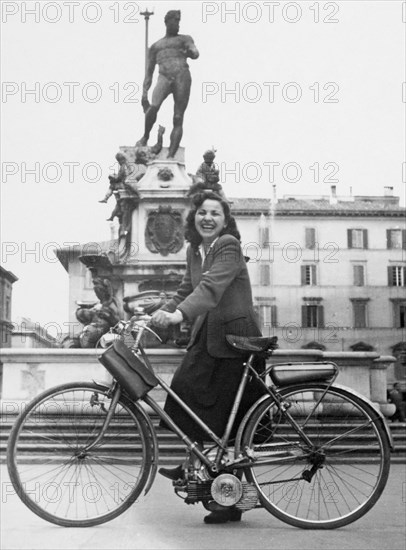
<point x="170" y="53"/>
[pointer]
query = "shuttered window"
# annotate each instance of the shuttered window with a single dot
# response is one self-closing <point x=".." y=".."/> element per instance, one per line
<point x="399" y="317"/>
<point x="359" y="275"/>
<point x="308" y="275"/>
<point x="263" y="236"/>
<point x="357" y="238"/>
<point x="267" y="315"/>
<point x="4" y="336"/>
<point x="264" y="274"/>
<point x="396" y="275"/>
<point x="396" y="238"/>
<point x="312" y="316"/>
<point x="360" y="313"/>
<point x="310" y="237"/>
<point x="402" y="316"/>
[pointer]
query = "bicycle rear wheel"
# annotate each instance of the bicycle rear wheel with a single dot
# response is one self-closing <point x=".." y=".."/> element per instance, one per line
<point x="346" y="459"/>
<point x="51" y="470"/>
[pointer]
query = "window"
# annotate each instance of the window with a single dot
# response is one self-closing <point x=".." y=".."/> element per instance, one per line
<point x="267" y="315"/>
<point x="359" y="275"/>
<point x="263" y="236"/>
<point x="357" y="238"/>
<point x="310" y="237"/>
<point x="7" y="308"/>
<point x="399" y="313"/>
<point x="308" y="275"/>
<point x="312" y="316"/>
<point x="396" y="275"/>
<point x="264" y="274"/>
<point x="359" y="308"/>
<point x="402" y="316"/>
<point x="4" y="336"/>
<point x="396" y="238"/>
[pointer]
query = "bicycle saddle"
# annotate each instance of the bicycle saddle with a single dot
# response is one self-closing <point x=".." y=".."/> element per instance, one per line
<point x="253" y="344"/>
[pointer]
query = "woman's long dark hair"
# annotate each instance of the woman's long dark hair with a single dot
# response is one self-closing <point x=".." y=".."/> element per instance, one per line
<point x="191" y="233"/>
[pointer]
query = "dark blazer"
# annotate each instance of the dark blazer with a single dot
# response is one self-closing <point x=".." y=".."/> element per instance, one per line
<point x="220" y="290"/>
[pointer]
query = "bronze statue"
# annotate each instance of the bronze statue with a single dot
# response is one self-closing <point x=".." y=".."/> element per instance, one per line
<point x="126" y="196"/>
<point x="117" y="183"/>
<point x="100" y="317"/>
<point x="145" y="154"/>
<point x="170" y="53"/>
<point x="208" y="171"/>
<point x="207" y="176"/>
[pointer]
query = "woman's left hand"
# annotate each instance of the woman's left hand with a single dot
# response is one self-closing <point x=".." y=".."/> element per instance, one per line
<point x="163" y="319"/>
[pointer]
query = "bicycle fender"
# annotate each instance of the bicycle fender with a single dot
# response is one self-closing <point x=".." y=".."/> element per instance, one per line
<point x="367" y="401"/>
<point x="154" y="440"/>
<point x="373" y="406"/>
<point x="247" y="416"/>
<point x="101" y="384"/>
<point x="155" y="447"/>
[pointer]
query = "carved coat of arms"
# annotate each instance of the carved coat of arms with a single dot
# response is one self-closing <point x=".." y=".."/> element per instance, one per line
<point x="164" y="231"/>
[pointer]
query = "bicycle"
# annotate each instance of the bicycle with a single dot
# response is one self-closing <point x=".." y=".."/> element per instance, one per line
<point x="315" y="454"/>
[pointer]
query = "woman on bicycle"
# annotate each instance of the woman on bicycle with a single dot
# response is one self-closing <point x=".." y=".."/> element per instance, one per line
<point x="215" y="296"/>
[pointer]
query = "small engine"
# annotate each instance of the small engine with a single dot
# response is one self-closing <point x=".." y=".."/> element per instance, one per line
<point x="216" y="491"/>
<point x="225" y="490"/>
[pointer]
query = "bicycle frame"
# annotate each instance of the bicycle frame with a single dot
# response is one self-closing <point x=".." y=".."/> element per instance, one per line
<point x="304" y="435"/>
<point x="191" y="445"/>
<point x="222" y="442"/>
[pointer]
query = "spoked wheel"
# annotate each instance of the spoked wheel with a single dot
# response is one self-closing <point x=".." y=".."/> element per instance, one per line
<point x="334" y="477"/>
<point x="53" y="472"/>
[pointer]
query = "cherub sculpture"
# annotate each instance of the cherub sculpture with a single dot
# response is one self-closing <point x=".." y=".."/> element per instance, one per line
<point x="101" y="316"/>
<point x="207" y="176"/>
<point x="117" y="185"/>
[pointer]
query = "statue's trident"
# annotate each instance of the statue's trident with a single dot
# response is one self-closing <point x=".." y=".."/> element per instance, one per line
<point x="147" y="14"/>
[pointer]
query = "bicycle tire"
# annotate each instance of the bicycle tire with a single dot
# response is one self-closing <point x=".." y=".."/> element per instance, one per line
<point x="348" y="440"/>
<point x="46" y="467"/>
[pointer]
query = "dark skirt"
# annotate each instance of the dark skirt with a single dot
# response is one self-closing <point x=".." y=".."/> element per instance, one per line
<point x="208" y="385"/>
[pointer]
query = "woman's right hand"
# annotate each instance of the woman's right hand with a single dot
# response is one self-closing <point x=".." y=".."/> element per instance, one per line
<point x="163" y="319"/>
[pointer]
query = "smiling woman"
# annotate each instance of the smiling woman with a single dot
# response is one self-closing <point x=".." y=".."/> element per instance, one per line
<point x="210" y="220"/>
<point x="215" y="295"/>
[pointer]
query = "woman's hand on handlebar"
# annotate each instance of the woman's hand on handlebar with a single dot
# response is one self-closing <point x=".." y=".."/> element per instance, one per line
<point x="163" y="319"/>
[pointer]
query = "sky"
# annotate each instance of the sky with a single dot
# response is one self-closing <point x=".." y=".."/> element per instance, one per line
<point x="297" y="95"/>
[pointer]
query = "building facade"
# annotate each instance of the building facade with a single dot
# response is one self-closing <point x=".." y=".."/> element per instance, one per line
<point x="7" y="279"/>
<point x="27" y="334"/>
<point x="325" y="270"/>
<point x="330" y="270"/>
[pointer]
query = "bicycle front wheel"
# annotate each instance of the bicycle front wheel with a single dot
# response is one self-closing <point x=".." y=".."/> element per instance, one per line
<point x="334" y="473"/>
<point x="54" y="474"/>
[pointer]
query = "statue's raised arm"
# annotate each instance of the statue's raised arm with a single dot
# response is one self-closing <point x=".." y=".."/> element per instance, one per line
<point x="170" y="54"/>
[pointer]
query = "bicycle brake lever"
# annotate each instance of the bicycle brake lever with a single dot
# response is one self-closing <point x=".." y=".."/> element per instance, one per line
<point x="154" y="333"/>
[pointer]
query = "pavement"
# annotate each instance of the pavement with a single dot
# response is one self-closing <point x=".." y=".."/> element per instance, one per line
<point x="162" y="521"/>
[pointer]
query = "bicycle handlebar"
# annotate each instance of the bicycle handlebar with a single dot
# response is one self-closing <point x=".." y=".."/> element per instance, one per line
<point x="139" y="322"/>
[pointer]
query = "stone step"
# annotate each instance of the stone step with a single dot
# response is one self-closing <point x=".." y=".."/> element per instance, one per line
<point x="172" y="439"/>
<point x="398" y="429"/>
<point x="172" y="450"/>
